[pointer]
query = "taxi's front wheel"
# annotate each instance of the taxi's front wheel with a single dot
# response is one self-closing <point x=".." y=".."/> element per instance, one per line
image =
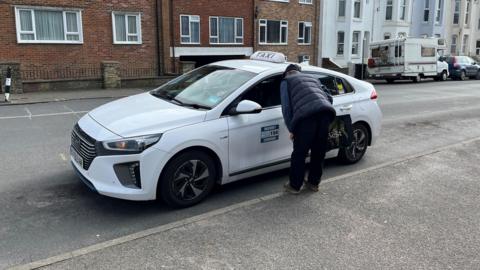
<point x="357" y="149"/>
<point x="187" y="179"/>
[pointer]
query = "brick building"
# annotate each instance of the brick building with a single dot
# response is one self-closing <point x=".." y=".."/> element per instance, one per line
<point x="65" y="40"/>
<point x="205" y="31"/>
<point x="287" y="26"/>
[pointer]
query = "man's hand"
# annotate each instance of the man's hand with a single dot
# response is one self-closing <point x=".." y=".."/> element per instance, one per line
<point x="292" y="136"/>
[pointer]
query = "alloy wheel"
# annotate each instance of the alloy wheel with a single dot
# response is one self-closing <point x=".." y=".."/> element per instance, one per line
<point x="190" y="180"/>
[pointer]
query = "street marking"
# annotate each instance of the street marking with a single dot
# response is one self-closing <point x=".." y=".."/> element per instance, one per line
<point x="71" y="110"/>
<point x="62" y="156"/>
<point x="29" y="113"/>
<point x="41" y="115"/>
<point x="214" y="213"/>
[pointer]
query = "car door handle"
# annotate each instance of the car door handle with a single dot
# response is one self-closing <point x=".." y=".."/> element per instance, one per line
<point x="346" y="108"/>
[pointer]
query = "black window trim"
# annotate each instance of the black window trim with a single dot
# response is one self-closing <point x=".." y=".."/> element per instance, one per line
<point x="239" y="98"/>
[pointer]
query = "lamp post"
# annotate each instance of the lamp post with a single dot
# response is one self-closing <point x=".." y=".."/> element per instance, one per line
<point x="8" y="83"/>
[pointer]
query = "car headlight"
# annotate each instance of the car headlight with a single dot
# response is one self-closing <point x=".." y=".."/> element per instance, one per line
<point x="134" y="145"/>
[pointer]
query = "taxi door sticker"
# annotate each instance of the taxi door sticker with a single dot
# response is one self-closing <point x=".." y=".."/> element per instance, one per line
<point x="269" y="133"/>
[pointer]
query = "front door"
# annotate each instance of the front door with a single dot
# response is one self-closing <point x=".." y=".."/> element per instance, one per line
<point x="259" y="140"/>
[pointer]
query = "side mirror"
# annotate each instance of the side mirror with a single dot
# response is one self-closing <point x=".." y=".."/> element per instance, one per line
<point x="246" y="107"/>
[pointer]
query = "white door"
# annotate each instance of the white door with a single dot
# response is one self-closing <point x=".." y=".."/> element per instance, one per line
<point x="259" y="140"/>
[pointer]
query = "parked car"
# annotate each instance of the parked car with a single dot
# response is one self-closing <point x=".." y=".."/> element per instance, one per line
<point x="461" y="67"/>
<point x="214" y="125"/>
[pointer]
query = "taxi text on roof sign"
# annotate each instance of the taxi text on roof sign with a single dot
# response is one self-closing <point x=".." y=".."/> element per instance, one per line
<point x="273" y="57"/>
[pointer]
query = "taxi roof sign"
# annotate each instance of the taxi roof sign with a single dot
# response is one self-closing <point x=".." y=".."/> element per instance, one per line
<point x="274" y="57"/>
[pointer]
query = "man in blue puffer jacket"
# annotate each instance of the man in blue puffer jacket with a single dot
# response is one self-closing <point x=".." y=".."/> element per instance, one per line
<point x="307" y="110"/>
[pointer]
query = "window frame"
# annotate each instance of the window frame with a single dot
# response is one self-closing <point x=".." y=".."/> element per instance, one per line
<point x="190" y="29"/>
<point x="465" y="47"/>
<point x="303" y="33"/>
<point x="359" y="2"/>
<point x="236" y="36"/>
<point x="356" y="42"/>
<point x="426" y="8"/>
<point x="454" y="45"/>
<point x="438" y="12"/>
<point x="64" y="11"/>
<point x="456" y="12"/>
<point x="389" y="4"/>
<point x="343" y="43"/>
<point x="468" y="7"/>
<point x="138" y="19"/>
<point x="403" y="8"/>
<point x="344" y="8"/>
<point x="264" y="23"/>
<point x="305" y="2"/>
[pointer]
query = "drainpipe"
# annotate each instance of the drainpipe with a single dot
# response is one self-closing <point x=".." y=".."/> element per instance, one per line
<point x="254" y="19"/>
<point x="172" y="37"/>
<point x="317" y="31"/>
<point x="159" y="44"/>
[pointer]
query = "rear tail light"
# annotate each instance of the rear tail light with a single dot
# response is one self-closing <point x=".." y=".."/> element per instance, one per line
<point x="374" y="95"/>
<point x="371" y="63"/>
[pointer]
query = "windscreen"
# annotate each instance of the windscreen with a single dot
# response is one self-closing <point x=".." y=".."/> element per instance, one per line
<point x="204" y="87"/>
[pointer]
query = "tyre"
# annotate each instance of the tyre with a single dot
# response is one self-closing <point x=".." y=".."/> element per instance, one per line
<point x="390" y="80"/>
<point x="463" y="76"/>
<point x="358" y="148"/>
<point x="187" y="179"/>
<point x="443" y="76"/>
<point x="416" y="79"/>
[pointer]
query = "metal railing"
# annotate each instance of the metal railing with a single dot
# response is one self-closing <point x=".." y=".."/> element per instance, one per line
<point x="130" y="73"/>
<point x="61" y="74"/>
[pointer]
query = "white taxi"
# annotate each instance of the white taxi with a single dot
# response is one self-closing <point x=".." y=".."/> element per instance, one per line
<point x="214" y="125"/>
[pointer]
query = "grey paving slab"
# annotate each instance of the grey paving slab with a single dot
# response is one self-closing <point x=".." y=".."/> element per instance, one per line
<point x="420" y="214"/>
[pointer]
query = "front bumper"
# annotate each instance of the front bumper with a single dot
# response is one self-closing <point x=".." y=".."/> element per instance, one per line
<point x="102" y="178"/>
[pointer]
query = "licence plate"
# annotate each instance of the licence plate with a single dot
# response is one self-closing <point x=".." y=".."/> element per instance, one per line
<point x="76" y="157"/>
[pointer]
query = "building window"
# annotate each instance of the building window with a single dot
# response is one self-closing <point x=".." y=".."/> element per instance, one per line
<point x="467" y="12"/>
<point x="304" y="59"/>
<point x="477" y="51"/>
<point x="273" y="32"/>
<point x="225" y="30"/>
<point x="456" y="12"/>
<point x="355" y="42"/>
<point x="190" y="29"/>
<point x="126" y="28"/>
<point x="340" y="43"/>
<point x="305" y="1"/>
<point x="403" y="10"/>
<point x="389" y="10"/>
<point x="341" y="8"/>
<point x="465" y="44"/>
<point x="304" y="33"/>
<point x="387" y="36"/>
<point x="453" y="46"/>
<point x="402" y="35"/>
<point x="438" y="14"/>
<point x="357" y="8"/>
<point x="426" y="11"/>
<point x="48" y="25"/>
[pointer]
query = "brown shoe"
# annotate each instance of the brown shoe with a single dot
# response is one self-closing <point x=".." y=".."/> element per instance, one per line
<point x="310" y="186"/>
<point x="289" y="189"/>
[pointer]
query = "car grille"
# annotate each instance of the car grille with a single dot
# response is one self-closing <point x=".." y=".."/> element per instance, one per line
<point x="84" y="145"/>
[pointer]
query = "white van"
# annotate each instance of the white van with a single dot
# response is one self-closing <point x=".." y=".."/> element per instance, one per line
<point x="407" y="58"/>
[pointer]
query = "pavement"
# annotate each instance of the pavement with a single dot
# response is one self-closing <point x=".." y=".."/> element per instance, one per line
<point x="420" y="213"/>
<point x="66" y="95"/>
<point x="46" y="212"/>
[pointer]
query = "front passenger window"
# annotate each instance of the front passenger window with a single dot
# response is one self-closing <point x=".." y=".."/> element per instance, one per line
<point x="266" y="93"/>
